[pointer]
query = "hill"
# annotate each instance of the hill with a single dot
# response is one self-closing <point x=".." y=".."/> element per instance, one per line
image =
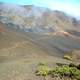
<point x="30" y="35"/>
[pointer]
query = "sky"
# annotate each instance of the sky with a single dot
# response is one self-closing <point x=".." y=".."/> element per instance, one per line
<point x="71" y="7"/>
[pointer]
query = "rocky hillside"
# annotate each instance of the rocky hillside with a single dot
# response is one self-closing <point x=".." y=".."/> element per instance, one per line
<point x="20" y="52"/>
<point x="37" y="19"/>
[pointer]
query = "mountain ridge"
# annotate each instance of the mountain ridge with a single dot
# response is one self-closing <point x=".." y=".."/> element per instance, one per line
<point x="37" y="19"/>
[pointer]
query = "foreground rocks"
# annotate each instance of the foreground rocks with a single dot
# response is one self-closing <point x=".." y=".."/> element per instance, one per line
<point x="73" y="55"/>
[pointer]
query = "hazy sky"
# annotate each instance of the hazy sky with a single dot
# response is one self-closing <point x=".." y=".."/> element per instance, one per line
<point x="69" y="6"/>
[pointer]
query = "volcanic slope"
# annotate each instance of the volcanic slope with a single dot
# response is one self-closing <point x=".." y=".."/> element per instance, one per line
<point x="20" y="52"/>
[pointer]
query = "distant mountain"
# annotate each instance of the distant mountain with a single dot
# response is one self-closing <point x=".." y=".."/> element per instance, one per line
<point x="37" y="19"/>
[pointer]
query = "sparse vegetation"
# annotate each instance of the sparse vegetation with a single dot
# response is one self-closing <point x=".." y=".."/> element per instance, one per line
<point x="69" y="55"/>
<point x="72" y="55"/>
<point x="70" y="71"/>
<point x="42" y="70"/>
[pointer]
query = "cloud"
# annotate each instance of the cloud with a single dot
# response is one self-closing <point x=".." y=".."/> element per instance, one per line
<point x="70" y="6"/>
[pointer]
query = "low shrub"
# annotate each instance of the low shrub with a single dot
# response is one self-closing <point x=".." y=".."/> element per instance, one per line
<point x="70" y="71"/>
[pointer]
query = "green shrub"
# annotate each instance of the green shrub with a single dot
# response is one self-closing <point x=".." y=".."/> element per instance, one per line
<point x="70" y="71"/>
<point x="65" y="70"/>
<point x="43" y="70"/>
<point x="75" y="73"/>
<point x="61" y="70"/>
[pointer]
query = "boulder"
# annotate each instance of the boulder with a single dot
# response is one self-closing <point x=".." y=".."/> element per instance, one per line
<point x="73" y="55"/>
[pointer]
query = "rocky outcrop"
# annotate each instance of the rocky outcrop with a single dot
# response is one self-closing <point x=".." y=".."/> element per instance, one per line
<point x="73" y="55"/>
